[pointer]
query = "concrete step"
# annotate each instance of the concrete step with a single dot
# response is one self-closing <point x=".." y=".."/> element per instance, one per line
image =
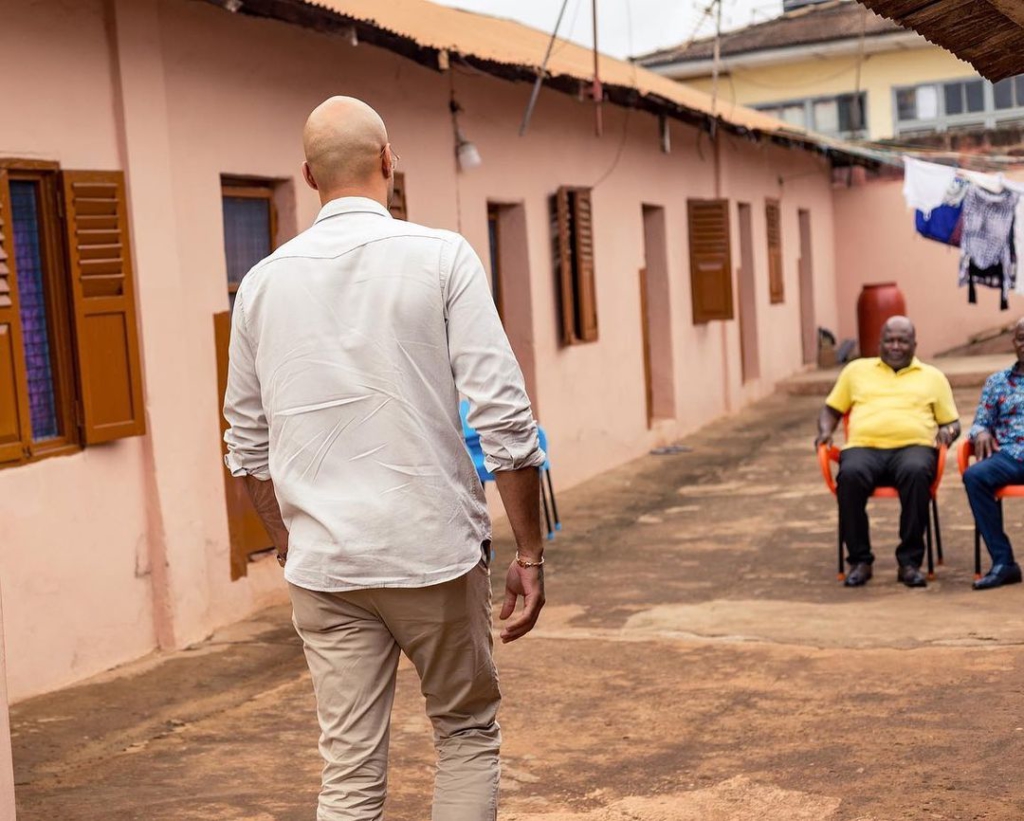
<point x="962" y="372"/>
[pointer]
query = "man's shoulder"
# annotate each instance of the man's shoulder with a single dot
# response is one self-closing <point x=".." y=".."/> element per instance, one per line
<point x="859" y="366"/>
<point x="933" y="372"/>
<point x="1000" y="378"/>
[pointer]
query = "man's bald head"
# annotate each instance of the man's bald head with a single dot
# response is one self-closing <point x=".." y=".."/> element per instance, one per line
<point x="344" y="140"/>
<point x="900" y="323"/>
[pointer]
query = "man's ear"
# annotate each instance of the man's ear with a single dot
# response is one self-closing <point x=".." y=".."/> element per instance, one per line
<point x="387" y="162"/>
<point x="307" y="175"/>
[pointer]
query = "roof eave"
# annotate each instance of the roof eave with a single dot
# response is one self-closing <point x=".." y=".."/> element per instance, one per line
<point x="327" y="21"/>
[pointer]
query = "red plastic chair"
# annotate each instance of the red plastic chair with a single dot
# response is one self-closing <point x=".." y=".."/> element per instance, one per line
<point x="963" y="459"/>
<point x="828" y="455"/>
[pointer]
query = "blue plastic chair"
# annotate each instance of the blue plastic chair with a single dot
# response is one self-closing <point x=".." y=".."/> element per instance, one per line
<point x="473" y="446"/>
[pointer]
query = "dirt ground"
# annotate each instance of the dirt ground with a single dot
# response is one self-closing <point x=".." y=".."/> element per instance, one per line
<point x="698" y="661"/>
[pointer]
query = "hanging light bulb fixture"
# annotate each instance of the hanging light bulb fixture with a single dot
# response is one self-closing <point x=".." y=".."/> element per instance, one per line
<point x="466" y="153"/>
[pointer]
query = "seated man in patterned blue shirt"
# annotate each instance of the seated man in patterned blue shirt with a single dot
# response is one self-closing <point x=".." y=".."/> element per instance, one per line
<point x="998" y="437"/>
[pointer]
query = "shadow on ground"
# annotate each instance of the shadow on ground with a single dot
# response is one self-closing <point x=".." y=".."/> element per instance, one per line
<point x="697" y="662"/>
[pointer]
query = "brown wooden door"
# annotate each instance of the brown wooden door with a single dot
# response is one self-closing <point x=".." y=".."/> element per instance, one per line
<point x="245" y="529"/>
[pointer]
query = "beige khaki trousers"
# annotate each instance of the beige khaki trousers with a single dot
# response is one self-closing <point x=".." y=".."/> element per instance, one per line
<point x="352" y="642"/>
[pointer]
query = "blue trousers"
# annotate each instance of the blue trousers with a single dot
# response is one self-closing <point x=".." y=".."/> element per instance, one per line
<point x="982" y="480"/>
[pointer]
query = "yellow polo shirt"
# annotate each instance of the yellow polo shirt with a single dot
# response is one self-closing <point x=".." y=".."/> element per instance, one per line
<point x="892" y="409"/>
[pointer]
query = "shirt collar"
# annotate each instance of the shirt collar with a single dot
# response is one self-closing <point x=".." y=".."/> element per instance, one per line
<point x="915" y="365"/>
<point x="352" y="205"/>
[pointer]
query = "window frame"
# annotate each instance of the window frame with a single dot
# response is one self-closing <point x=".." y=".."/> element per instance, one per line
<point x="575" y="269"/>
<point x="808" y="104"/>
<point x="255" y="189"/>
<point x="494" y="247"/>
<point x="57" y="293"/>
<point x="86" y="245"/>
<point x="697" y="213"/>
<point x="989" y="118"/>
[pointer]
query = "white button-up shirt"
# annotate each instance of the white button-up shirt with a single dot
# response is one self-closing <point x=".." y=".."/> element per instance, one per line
<point x="349" y="348"/>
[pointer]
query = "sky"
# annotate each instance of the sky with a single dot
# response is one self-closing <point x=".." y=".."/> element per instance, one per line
<point x="626" y="27"/>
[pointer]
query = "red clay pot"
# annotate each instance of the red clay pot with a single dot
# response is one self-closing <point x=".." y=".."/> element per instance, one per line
<point x="875" y="305"/>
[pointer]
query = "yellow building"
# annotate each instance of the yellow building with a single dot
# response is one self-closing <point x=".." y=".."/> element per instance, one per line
<point x="839" y="69"/>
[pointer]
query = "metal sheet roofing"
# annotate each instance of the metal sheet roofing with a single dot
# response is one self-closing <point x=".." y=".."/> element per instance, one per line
<point x="810" y="25"/>
<point x="436" y="35"/>
<point x="988" y="34"/>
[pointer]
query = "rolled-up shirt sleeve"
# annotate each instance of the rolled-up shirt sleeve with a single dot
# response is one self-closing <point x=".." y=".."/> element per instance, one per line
<point x="485" y="369"/>
<point x="247" y="436"/>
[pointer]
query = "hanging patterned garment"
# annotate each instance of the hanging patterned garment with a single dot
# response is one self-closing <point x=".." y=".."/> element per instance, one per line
<point x="987" y="242"/>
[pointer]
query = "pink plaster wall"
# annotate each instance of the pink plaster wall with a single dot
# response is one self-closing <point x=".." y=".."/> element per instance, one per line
<point x="136" y="554"/>
<point x="876" y="242"/>
<point x="74" y="569"/>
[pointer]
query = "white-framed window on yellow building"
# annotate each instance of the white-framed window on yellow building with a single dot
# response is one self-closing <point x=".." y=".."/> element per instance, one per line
<point x="839" y="115"/>
<point x="964" y="103"/>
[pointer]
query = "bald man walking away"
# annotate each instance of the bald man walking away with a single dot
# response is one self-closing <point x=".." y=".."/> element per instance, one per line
<point x="350" y="346"/>
<point x="899" y="410"/>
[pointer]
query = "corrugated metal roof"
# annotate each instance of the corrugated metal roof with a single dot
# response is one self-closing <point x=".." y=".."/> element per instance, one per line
<point x="824" y="23"/>
<point x="988" y="34"/>
<point x="434" y="35"/>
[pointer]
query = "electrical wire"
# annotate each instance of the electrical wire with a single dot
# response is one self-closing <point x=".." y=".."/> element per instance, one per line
<point x="618" y="151"/>
<point x="567" y="39"/>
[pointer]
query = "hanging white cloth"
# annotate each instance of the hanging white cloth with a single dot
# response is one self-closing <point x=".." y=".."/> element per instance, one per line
<point x="925" y="184"/>
<point x="993" y="183"/>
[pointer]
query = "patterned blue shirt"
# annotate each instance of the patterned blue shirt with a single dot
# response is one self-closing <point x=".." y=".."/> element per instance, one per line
<point x="1001" y="412"/>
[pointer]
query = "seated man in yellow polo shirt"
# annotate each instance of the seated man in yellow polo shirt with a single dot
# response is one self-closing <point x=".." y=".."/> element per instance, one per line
<point x="899" y="410"/>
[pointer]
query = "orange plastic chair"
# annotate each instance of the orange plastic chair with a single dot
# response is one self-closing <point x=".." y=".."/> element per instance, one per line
<point x="829" y="455"/>
<point x="963" y="459"/>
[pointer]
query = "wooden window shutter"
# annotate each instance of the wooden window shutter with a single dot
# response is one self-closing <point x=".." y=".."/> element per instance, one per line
<point x="103" y="300"/>
<point x="583" y="247"/>
<point x="776" y="280"/>
<point x="398" y="207"/>
<point x="710" y="260"/>
<point x="563" y="264"/>
<point x="15" y="422"/>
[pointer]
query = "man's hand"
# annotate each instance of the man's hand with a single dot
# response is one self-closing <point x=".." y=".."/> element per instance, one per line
<point x="828" y="419"/>
<point x="947" y="434"/>
<point x="527" y="582"/>
<point x="985" y="445"/>
<point x="264" y="499"/>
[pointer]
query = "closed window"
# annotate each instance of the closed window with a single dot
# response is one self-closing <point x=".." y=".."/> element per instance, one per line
<point x="573" y="236"/>
<point x="250" y="225"/>
<point x="70" y="373"/>
<point x="710" y="260"/>
<point x="842" y="115"/>
<point x="969" y="103"/>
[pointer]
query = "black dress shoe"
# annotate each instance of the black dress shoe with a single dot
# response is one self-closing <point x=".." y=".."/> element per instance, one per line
<point x="911" y="576"/>
<point x="858" y="575"/>
<point x="999" y="575"/>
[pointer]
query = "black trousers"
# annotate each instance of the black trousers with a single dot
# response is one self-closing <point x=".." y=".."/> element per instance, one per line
<point x="911" y="471"/>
